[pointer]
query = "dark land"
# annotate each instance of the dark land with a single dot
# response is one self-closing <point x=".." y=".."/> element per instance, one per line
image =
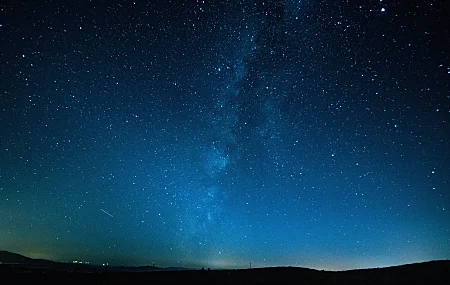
<point x="18" y="269"/>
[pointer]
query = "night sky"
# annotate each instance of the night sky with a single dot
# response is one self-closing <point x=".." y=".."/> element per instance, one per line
<point x="218" y="133"/>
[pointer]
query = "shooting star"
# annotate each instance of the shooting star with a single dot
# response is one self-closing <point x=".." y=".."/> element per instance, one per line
<point x="106" y="213"/>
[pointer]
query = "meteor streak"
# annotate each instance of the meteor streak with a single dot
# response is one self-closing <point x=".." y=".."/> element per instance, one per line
<point x="106" y="213"/>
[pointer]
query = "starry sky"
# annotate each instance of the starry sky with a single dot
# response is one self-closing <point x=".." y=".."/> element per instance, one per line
<point x="218" y="133"/>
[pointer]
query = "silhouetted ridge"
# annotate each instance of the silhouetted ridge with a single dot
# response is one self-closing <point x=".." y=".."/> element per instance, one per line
<point x="9" y="257"/>
<point x="25" y="271"/>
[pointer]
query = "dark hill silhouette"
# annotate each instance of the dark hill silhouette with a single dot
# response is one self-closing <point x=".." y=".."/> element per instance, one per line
<point x="24" y="270"/>
<point x="7" y="257"/>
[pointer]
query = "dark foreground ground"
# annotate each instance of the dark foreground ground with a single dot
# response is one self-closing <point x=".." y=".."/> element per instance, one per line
<point x="435" y="272"/>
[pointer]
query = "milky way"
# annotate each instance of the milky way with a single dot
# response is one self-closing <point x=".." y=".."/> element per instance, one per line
<point x="218" y="133"/>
